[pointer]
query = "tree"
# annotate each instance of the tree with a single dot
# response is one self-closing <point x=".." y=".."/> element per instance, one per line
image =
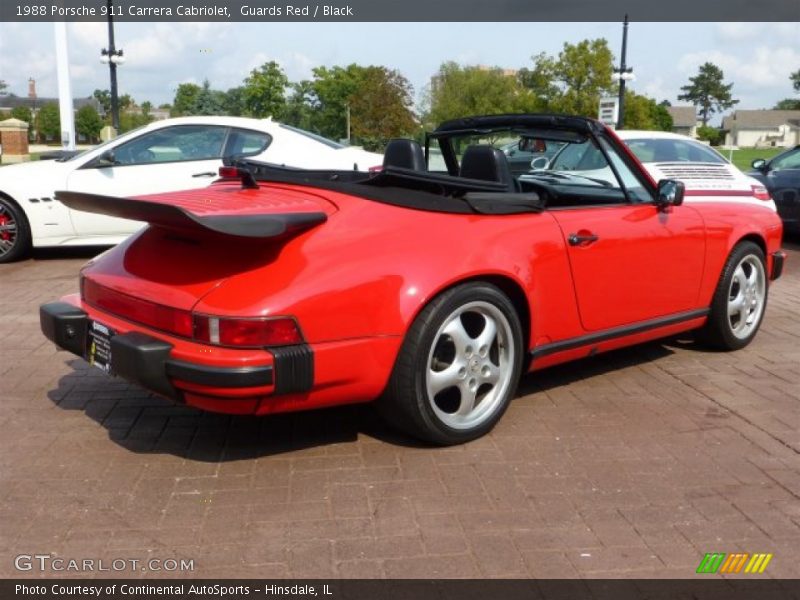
<point x="88" y="122"/>
<point x="380" y="109"/>
<point x="791" y="103"/>
<point x="23" y="113"/>
<point x="788" y="104"/>
<point x="48" y="122"/>
<point x="208" y="101"/>
<point x="708" y="134"/>
<point x="233" y="102"/>
<point x="574" y="81"/>
<point x="264" y="91"/>
<point x="185" y="98"/>
<point x="3" y="88"/>
<point x="708" y="91"/>
<point x="301" y="107"/>
<point x="331" y="91"/>
<point x="146" y="107"/>
<point x="132" y="120"/>
<point x="457" y="91"/>
<point x="642" y="112"/>
<point x="104" y="98"/>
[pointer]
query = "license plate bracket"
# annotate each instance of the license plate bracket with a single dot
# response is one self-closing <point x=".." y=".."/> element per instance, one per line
<point x="98" y="346"/>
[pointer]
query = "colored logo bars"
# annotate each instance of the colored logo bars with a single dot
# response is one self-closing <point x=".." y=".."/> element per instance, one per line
<point x="716" y="562"/>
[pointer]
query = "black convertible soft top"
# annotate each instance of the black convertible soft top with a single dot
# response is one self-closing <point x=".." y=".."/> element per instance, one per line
<point x="427" y="191"/>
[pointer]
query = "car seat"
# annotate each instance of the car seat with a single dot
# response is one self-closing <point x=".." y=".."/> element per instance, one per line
<point x="488" y="164"/>
<point x="404" y="154"/>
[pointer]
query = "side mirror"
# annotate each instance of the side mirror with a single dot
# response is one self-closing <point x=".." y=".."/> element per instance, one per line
<point x="759" y="164"/>
<point x="540" y="162"/>
<point x="670" y="192"/>
<point x="106" y="159"/>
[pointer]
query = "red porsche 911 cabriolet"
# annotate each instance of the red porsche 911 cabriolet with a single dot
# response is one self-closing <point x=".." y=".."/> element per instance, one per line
<point x="279" y="290"/>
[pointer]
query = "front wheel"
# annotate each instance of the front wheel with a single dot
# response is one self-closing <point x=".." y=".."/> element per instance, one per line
<point x="458" y="367"/>
<point x="740" y="299"/>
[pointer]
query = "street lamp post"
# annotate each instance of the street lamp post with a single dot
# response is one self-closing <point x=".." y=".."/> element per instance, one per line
<point x="113" y="57"/>
<point x="624" y="73"/>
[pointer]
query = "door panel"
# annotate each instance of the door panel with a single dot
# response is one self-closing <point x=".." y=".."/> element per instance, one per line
<point x="134" y="180"/>
<point x="179" y="157"/>
<point x="633" y="262"/>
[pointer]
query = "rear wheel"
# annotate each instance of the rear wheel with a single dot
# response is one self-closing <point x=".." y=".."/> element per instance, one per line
<point x="458" y="367"/>
<point x="15" y="235"/>
<point x="740" y="299"/>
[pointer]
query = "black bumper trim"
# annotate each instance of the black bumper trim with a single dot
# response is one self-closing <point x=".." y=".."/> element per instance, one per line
<point x="220" y="376"/>
<point x="143" y="359"/>
<point x="294" y="369"/>
<point x="778" y="258"/>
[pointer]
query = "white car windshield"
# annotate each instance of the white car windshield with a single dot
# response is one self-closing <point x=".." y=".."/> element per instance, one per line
<point x="652" y="150"/>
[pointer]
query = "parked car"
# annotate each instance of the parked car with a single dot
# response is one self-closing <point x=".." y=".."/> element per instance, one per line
<point x="164" y="156"/>
<point x="277" y="290"/>
<point x="781" y="176"/>
<point x="707" y="174"/>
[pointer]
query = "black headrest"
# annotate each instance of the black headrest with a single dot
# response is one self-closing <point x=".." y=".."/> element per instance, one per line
<point x="486" y="163"/>
<point x="406" y="154"/>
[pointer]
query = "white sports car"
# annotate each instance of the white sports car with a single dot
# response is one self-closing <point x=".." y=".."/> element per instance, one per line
<point x="164" y="156"/>
<point x="706" y="174"/>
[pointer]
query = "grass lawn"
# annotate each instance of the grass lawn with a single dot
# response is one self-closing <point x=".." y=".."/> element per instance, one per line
<point x="743" y="157"/>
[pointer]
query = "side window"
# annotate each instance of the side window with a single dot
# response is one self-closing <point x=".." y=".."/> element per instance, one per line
<point x="632" y="182"/>
<point x="790" y="161"/>
<point x="173" y="144"/>
<point x="244" y="142"/>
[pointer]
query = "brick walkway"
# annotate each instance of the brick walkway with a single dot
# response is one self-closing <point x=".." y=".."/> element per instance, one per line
<point x="632" y="464"/>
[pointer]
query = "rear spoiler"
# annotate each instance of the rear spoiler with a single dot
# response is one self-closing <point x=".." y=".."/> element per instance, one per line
<point x="169" y="216"/>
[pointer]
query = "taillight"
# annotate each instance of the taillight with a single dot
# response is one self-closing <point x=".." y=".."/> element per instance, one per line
<point x="760" y="192"/>
<point x="157" y="316"/>
<point x="246" y="332"/>
<point x="375" y="169"/>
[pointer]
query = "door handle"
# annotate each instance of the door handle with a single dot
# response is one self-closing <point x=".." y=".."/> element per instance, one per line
<point x="582" y="239"/>
<point x="205" y="174"/>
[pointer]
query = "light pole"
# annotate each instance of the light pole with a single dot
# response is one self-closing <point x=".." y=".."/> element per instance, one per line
<point x="623" y="73"/>
<point x="113" y="57"/>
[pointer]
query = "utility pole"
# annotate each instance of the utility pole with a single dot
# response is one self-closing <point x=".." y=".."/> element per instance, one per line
<point x="624" y="73"/>
<point x="113" y="57"/>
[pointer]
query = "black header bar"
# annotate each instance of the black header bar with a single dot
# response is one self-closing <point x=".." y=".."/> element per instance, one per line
<point x="407" y="10"/>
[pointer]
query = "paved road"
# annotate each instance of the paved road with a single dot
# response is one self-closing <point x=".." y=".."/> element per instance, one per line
<point x="632" y="464"/>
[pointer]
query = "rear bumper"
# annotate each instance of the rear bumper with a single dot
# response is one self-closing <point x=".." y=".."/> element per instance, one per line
<point x="146" y="361"/>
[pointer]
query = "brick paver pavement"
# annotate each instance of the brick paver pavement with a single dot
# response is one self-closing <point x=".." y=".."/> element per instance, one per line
<point x="632" y="464"/>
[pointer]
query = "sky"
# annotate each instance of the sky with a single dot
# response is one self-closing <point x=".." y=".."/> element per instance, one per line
<point x="756" y="57"/>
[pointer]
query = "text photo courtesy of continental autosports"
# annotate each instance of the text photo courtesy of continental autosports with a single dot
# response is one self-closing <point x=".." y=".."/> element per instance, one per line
<point x="295" y="298"/>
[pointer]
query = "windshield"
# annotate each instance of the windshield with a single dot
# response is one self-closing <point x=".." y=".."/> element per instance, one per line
<point x="315" y="137"/>
<point x="566" y="159"/>
<point x="650" y="150"/>
<point x="83" y="153"/>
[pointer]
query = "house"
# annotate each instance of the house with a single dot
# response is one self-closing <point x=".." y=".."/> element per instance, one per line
<point x="762" y="128"/>
<point x="684" y="120"/>
<point x="35" y="102"/>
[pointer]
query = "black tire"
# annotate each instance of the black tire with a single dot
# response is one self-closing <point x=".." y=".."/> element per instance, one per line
<point x="14" y="243"/>
<point x="406" y="403"/>
<point x="719" y="332"/>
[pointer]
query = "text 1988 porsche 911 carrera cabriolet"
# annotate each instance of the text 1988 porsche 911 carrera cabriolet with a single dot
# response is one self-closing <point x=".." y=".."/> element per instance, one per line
<point x="432" y="292"/>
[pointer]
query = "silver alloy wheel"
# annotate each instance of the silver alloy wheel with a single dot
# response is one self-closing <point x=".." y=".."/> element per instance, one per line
<point x="470" y="365"/>
<point x="746" y="296"/>
<point x="8" y="229"/>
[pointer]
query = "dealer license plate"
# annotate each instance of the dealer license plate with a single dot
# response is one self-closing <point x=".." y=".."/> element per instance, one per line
<point x="98" y="351"/>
